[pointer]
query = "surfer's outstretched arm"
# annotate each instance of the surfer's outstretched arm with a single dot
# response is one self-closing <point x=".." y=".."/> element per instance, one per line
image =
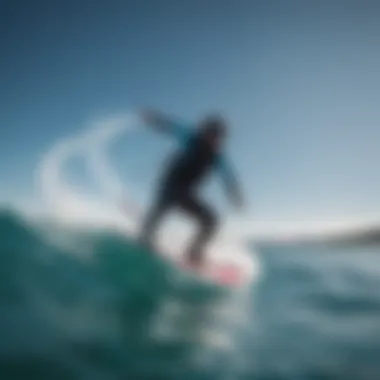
<point x="162" y="123"/>
<point x="231" y="183"/>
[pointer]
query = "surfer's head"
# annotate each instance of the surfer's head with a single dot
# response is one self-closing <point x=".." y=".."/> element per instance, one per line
<point x="213" y="128"/>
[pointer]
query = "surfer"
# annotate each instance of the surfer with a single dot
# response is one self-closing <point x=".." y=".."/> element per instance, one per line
<point x="201" y="153"/>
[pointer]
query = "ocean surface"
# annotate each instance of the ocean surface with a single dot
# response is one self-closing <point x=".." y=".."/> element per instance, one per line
<point x="90" y="305"/>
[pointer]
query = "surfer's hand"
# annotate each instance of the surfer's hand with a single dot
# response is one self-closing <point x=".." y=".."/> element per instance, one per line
<point x="151" y="117"/>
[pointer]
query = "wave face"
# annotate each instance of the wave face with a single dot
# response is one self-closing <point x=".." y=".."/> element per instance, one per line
<point x="91" y="305"/>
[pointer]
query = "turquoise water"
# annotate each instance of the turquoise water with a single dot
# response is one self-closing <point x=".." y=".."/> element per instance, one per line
<point x="90" y="305"/>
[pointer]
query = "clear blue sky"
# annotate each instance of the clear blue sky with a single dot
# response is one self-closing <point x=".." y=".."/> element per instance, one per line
<point x="298" y="81"/>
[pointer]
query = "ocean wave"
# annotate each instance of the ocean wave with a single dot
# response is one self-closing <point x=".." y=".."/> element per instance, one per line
<point x="87" y="303"/>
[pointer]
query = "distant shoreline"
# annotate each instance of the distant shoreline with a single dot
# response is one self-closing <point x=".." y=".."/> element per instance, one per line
<point x="363" y="237"/>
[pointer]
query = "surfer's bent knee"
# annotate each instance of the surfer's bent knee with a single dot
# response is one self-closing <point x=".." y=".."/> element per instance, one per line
<point x="209" y="220"/>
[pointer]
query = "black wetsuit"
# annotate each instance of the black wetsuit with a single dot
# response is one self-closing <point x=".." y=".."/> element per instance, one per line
<point x="178" y="188"/>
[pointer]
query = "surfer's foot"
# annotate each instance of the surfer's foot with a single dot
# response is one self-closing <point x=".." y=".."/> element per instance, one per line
<point x="194" y="263"/>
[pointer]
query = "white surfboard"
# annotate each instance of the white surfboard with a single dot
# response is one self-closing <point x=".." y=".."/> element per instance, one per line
<point x="226" y="264"/>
